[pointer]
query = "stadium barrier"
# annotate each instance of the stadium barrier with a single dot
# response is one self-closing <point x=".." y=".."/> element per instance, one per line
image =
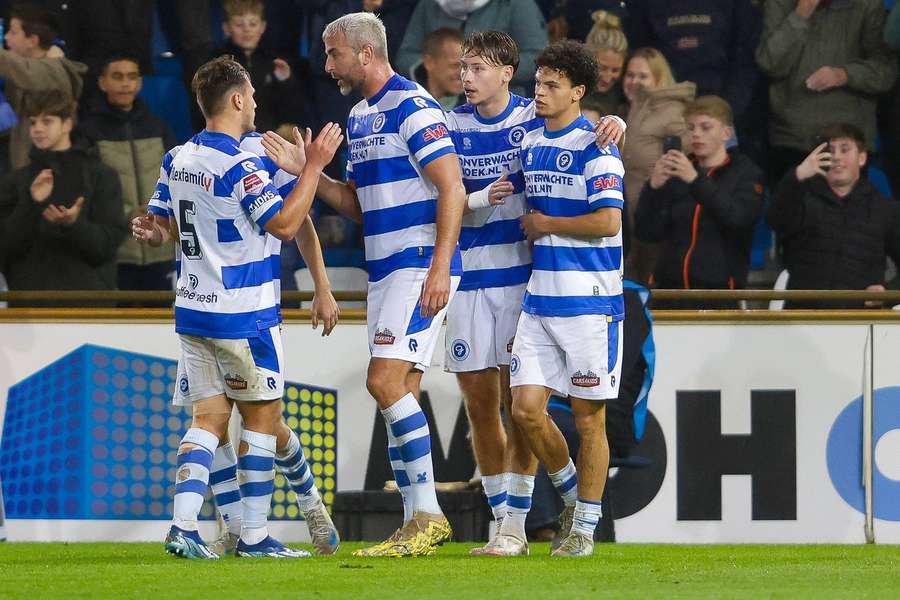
<point x="764" y="426"/>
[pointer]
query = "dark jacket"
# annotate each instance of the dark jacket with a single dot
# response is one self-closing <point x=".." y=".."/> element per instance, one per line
<point x="277" y="102"/>
<point x="133" y="144"/>
<point x="37" y="255"/>
<point x="833" y="243"/>
<point x="706" y="227"/>
<point x="709" y="43"/>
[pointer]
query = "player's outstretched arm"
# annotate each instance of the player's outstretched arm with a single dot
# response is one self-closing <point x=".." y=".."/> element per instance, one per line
<point x="493" y="195"/>
<point x="341" y="196"/>
<point x="445" y="174"/>
<point x="324" y="307"/>
<point x="603" y="222"/>
<point x="286" y="222"/>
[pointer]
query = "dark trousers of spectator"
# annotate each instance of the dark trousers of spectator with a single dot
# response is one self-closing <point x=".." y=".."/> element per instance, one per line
<point x="153" y="277"/>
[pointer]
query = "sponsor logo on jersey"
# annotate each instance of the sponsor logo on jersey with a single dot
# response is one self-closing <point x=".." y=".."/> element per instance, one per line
<point x="253" y="184"/>
<point x="383" y="337"/>
<point x="261" y="201"/>
<point x="235" y="381"/>
<point x="435" y="133"/>
<point x="249" y="166"/>
<point x="589" y="379"/>
<point x="607" y="182"/>
<point x="189" y="294"/>
<point x="184" y="176"/>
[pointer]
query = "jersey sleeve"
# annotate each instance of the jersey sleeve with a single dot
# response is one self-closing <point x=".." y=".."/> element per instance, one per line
<point x="282" y="180"/>
<point x="424" y="127"/>
<point x="603" y="173"/>
<point x="160" y="202"/>
<point x="251" y="185"/>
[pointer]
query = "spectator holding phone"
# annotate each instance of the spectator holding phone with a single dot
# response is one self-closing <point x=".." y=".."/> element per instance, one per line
<point x="826" y="60"/>
<point x="656" y="110"/>
<point x="701" y="206"/>
<point x="837" y="230"/>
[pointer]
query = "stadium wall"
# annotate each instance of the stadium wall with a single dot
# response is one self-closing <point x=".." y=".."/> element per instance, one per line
<point x="759" y="435"/>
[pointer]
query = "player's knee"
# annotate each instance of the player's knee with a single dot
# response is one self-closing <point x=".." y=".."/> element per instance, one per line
<point x="481" y="407"/>
<point x="527" y="417"/>
<point x="592" y="425"/>
<point x="381" y="388"/>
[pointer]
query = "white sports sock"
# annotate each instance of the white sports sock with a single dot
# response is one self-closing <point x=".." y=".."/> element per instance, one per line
<point x="400" y="476"/>
<point x="518" y="503"/>
<point x="292" y="464"/>
<point x="410" y="428"/>
<point x="587" y="515"/>
<point x="225" y="489"/>
<point x="566" y="482"/>
<point x="192" y="476"/>
<point x="256" y="472"/>
<point x="495" y="488"/>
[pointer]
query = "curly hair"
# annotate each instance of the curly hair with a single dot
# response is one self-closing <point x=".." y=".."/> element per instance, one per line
<point x="573" y="60"/>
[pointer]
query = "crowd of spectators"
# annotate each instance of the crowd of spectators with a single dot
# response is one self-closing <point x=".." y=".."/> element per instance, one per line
<point x="742" y="115"/>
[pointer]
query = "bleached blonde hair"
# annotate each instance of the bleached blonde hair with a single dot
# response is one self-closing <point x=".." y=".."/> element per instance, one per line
<point x="360" y="29"/>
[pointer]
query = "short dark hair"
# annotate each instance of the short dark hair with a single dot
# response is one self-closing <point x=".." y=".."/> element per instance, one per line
<point x="120" y="56"/>
<point x="495" y="47"/>
<point x="573" y="60"/>
<point x="434" y="41"/>
<point x="844" y="130"/>
<point x="52" y="102"/>
<point x="36" y="21"/>
<point x="214" y="79"/>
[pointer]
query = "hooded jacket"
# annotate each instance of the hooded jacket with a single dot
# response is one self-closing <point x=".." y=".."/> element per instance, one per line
<point x="133" y="144"/>
<point x="38" y="255"/>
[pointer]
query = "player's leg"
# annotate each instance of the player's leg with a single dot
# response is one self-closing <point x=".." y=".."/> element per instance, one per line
<point x="292" y="463"/>
<point x="593" y="356"/>
<point x="226" y="495"/>
<point x="199" y="385"/>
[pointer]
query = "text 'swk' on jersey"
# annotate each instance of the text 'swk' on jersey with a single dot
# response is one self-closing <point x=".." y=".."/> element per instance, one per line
<point x="392" y="137"/>
<point x="567" y="175"/>
<point x="221" y="192"/>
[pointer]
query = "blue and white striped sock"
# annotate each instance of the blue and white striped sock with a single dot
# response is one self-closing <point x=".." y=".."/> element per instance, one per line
<point x="256" y="472"/>
<point x="566" y="482"/>
<point x="518" y="503"/>
<point x="400" y="476"/>
<point x="587" y="515"/>
<point x="495" y="489"/>
<point x="195" y="455"/>
<point x="410" y="428"/>
<point x="292" y="464"/>
<point x="225" y="489"/>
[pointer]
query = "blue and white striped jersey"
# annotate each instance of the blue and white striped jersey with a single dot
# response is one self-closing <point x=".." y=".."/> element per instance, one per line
<point x="391" y="138"/>
<point x="221" y="194"/>
<point x="495" y="251"/>
<point x="566" y="175"/>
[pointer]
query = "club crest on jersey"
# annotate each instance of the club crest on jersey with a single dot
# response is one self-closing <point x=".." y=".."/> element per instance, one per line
<point x="529" y="157"/>
<point x="253" y="184"/>
<point x="514" y="364"/>
<point x="460" y="349"/>
<point x="564" y="160"/>
<point x="589" y="379"/>
<point x="378" y="123"/>
<point x="235" y="381"/>
<point x="434" y="133"/>
<point x="383" y="337"/>
<point x="183" y="385"/>
<point x="608" y="182"/>
<point x="467" y="143"/>
<point x="516" y="134"/>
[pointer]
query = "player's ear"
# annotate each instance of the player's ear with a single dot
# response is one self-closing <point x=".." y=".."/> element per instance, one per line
<point x="578" y="92"/>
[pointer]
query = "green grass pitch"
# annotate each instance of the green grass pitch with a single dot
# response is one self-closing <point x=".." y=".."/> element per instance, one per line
<point x="35" y="571"/>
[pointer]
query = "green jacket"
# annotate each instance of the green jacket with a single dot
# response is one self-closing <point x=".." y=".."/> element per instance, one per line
<point x="521" y="19"/>
<point x="846" y="34"/>
<point x="34" y="75"/>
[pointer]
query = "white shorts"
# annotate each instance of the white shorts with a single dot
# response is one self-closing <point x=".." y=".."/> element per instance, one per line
<point x="247" y="369"/>
<point x="574" y="356"/>
<point x="481" y="325"/>
<point x="396" y="326"/>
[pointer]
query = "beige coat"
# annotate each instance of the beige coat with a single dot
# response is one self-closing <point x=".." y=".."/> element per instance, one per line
<point x="654" y="114"/>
